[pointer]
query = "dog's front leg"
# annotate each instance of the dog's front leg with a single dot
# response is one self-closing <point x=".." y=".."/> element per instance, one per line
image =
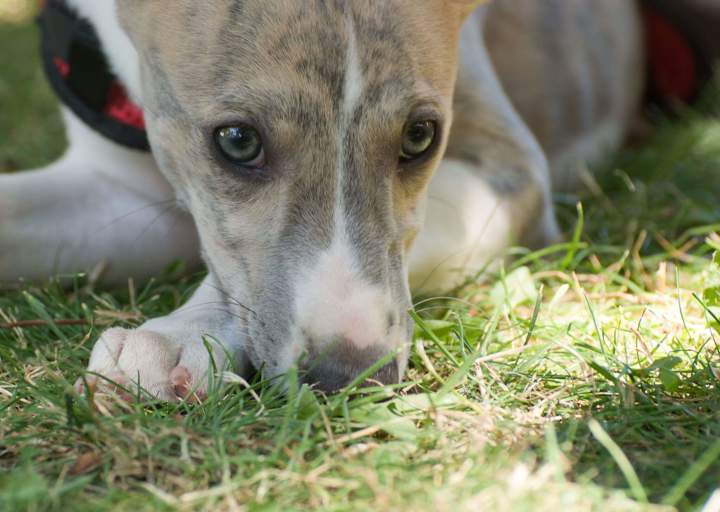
<point x="100" y="203"/>
<point x="175" y="356"/>
<point x="493" y="188"/>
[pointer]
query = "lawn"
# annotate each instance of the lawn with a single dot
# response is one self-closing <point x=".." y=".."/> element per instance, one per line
<point x="582" y="377"/>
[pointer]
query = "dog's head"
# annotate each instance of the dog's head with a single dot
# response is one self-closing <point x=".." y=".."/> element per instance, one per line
<point x="302" y="135"/>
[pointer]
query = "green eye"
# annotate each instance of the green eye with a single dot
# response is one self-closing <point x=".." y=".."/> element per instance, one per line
<point x="418" y="138"/>
<point x="240" y="144"/>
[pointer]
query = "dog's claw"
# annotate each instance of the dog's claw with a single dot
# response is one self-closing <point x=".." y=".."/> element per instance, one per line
<point x="181" y="379"/>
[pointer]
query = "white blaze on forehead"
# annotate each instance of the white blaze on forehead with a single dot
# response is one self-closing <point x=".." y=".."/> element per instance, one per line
<point x="333" y="300"/>
<point x="352" y="93"/>
<point x="354" y="84"/>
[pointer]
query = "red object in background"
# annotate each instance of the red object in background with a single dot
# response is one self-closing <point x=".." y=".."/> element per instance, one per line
<point x="672" y="62"/>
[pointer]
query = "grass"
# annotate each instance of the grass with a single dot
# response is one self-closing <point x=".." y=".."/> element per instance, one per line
<point x="31" y="132"/>
<point x="583" y="377"/>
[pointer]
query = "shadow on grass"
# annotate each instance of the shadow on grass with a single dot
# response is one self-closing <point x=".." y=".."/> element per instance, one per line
<point x="667" y="188"/>
<point x="664" y="436"/>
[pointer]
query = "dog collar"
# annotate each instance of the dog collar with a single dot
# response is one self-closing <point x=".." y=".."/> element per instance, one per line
<point x="78" y="71"/>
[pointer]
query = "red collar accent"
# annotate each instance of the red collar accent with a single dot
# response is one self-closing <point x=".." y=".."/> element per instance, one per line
<point x="673" y="64"/>
<point x="118" y="105"/>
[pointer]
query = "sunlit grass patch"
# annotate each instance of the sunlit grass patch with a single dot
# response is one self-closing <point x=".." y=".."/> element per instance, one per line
<point x="17" y="11"/>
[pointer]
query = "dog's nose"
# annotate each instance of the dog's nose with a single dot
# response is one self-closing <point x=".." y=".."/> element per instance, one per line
<point x="338" y="364"/>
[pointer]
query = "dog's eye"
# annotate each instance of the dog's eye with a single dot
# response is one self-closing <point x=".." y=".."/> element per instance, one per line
<point x="240" y="144"/>
<point x="418" y="138"/>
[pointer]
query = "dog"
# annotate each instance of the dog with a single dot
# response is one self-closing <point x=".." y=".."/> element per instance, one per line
<point x="321" y="158"/>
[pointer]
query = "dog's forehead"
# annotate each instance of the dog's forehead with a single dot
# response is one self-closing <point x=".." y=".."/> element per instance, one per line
<point x="221" y="47"/>
<point x="265" y="14"/>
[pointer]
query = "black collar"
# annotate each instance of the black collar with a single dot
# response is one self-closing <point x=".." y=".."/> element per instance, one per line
<point x="79" y="73"/>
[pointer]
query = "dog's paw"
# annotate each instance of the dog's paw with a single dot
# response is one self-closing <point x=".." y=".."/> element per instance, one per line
<point x="146" y="363"/>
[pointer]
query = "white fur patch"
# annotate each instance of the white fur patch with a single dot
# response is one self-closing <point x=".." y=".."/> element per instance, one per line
<point x="467" y="226"/>
<point x="354" y="82"/>
<point x="100" y="203"/>
<point x="352" y="93"/>
<point x="333" y="302"/>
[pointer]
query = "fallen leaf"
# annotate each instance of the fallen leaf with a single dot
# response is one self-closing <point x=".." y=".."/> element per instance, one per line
<point x="85" y="462"/>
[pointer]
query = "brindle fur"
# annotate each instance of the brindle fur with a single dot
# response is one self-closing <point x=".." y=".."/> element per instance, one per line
<point x="263" y="230"/>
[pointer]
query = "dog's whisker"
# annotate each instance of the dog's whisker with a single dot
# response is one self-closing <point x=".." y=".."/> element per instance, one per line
<point x="152" y="222"/>
<point x="233" y="299"/>
<point x="172" y="202"/>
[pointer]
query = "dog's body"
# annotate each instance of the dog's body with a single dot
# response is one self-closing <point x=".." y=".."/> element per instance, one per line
<point x="313" y="256"/>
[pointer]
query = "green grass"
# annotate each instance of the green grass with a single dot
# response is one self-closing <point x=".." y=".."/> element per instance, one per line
<point x="31" y="131"/>
<point x="584" y="377"/>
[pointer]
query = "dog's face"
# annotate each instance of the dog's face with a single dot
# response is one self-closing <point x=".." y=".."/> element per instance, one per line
<point x="302" y="135"/>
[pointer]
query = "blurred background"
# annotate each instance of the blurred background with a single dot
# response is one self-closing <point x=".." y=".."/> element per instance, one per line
<point x="31" y="133"/>
<point x="17" y="11"/>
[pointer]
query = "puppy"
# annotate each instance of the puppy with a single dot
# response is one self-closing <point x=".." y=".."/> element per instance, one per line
<point x="320" y="157"/>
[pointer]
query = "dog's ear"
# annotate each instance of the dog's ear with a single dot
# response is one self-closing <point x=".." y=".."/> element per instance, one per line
<point x="467" y="6"/>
